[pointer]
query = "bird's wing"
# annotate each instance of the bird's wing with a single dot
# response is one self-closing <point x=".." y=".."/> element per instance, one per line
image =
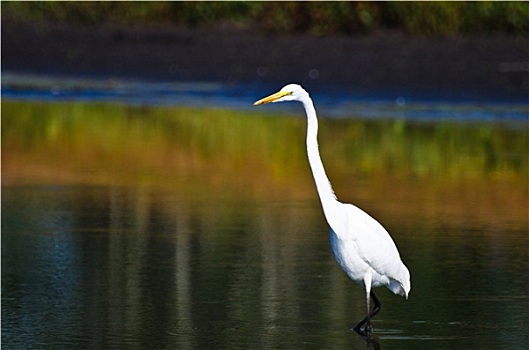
<point x="374" y="244"/>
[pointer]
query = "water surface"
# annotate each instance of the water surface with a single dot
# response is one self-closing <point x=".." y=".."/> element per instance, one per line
<point x="330" y="101"/>
<point x="158" y="228"/>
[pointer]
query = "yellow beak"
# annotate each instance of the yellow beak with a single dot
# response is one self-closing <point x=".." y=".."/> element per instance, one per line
<point x="272" y="97"/>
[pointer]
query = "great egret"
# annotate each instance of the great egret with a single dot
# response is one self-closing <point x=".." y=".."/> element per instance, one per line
<point x="361" y="245"/>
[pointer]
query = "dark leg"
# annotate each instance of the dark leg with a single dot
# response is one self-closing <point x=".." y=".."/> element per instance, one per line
<point x="367" y="319"/>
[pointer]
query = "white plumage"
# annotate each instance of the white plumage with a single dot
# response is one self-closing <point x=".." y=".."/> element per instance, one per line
<point x="361" y="245"/>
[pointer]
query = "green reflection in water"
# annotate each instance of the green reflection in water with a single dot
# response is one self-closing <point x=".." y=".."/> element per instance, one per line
<point x="207" y="224"/>
<point x="107" y="131"/>
<point x="124" y="267"/>
<point x="430" y="167"/>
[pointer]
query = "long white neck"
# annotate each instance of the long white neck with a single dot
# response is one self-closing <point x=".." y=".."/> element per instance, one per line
<point x="323" y="185"/>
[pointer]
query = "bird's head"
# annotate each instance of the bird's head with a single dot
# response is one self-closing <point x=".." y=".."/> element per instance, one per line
<point x="290" y="92"/>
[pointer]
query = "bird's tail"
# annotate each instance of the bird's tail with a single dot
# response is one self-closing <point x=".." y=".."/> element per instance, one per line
<point x="402" y="285"/>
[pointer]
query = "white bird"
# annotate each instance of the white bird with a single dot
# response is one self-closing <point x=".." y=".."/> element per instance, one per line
<point x="361" y="245"/>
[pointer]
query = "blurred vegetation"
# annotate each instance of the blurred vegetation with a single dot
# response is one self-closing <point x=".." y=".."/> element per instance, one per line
<point x="234" y="141"/>
<point x="318" y="18"/>
<point x="434" y="168"/>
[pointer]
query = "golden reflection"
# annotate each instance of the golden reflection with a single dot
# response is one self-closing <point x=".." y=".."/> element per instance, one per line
<point x="160" y="261"/>
<point x="449" y="170"/>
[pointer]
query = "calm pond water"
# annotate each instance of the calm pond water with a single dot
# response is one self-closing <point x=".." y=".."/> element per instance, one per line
<point x="196" y="228"/>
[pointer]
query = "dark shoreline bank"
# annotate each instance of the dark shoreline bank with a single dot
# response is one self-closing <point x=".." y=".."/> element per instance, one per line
<point x="495" y="67"/>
